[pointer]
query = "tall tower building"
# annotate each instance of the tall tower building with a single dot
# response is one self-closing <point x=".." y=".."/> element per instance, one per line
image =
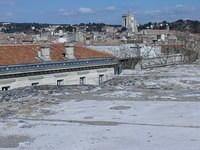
<point x="129" y="22"/>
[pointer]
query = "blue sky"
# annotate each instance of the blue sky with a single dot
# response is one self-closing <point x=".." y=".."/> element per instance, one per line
<point x="106" y="11"/>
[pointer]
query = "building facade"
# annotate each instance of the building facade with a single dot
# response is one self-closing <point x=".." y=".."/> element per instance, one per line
<point x="54" y="64"/>
<point x="129" y="22"/>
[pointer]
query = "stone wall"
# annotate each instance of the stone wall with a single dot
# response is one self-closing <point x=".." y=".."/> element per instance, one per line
<point x="67" y="78"/>
<point x="163" y="61"/>
<point x="130" y="50"/>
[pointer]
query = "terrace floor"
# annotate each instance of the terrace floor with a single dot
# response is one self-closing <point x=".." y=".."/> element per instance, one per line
<point x="155" y="109"/>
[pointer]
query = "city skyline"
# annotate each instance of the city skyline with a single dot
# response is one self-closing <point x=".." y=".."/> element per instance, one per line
<point x="77" y="11"/>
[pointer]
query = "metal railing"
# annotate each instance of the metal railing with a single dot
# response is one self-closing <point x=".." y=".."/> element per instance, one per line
<point x="57" y="65"/>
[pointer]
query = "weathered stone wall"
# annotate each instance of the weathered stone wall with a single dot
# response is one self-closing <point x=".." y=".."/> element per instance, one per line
<point x="69" y="78"/>
<point x="165" y="60"/>
<point x="129" y="63"/>
<point x="130" y="50"/>
<point x="144" y="63"/>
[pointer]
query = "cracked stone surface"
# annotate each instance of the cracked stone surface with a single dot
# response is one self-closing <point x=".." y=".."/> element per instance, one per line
<point x="149" y="110"/>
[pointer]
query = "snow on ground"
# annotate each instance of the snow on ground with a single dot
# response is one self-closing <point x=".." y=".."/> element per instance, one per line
<point x="155" y="109"/>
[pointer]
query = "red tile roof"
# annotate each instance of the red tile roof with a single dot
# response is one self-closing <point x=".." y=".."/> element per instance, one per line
<point x="57" y="52"/>
<point x="27" y="54"/>
<point x="84" y="53"/>
<point x="19" y="54"/>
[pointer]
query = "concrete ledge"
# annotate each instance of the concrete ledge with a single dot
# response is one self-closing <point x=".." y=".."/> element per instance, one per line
<point x="61" y="75"/>
<point x="82" y="72"/>
<point x="7" y="81"/>
<point x="36" y="78"/>
<point x="102" y="70"/>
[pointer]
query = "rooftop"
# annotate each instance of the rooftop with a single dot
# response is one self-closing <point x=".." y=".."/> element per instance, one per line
<point x="28" y="54"/>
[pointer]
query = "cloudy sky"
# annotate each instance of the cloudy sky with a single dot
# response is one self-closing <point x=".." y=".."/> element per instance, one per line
<point x="106" y="11"/>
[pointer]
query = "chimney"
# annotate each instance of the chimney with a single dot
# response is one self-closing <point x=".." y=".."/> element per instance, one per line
<point x="44" y="52"/>
<point x="69" y="51"/>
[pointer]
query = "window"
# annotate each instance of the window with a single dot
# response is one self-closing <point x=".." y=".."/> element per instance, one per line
<point x="101" y="78"/>
<point x="6" y="88"/>
<point x="125" y="22"/>
<point x="60" y="82"/>
<point x="158" y="37"/>
<point x="82" y="80"/>
<point x="35" y="84"/>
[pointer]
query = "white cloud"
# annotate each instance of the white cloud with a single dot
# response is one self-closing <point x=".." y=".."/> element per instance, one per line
<point x="9" y="14"/>
<point x="180" y="6"/>
<point x="61" y="10"/>
<point x="7" y="3"/>
<point x="152" y="12"/>
<point x="170" y="13"/>
<point x="65" y="12"/>
<point x="85" y="10"/>
<point x="111" y="8"/>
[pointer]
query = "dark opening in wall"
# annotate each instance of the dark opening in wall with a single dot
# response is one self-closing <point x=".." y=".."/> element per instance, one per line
<point x="35" y="84"/>
<point x="101" y="78"/>
<point x="5" y="88"/>
<point x="60" y="82"/>
<point x="82" y="80"/>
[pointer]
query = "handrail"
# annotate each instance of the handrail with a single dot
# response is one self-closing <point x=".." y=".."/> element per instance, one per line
<point x="57" y="65"/>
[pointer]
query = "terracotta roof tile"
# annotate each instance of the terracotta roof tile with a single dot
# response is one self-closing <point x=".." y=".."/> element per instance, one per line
<point x="84" y="53"/>
<point x="27" y="54"/>
<point x="57" y="52"/>
<point x="18" y="54"/>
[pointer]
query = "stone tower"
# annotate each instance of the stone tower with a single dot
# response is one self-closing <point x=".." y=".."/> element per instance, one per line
<point x="129" y="22"/>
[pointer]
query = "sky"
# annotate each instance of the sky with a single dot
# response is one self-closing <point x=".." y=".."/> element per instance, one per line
<point x="99" y="11"/>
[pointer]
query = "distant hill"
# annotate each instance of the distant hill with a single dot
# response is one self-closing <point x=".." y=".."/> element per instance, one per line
<point x="186" y="25"/>
<point x="38" y="28"/>
<point x="22" y="27"/>
<point x="192" y="26"/>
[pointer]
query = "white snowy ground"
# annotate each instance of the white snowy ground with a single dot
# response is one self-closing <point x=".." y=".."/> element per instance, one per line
<point x="107" y="124"/>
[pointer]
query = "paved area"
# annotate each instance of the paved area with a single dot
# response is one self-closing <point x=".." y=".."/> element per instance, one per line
<point x="149" y="110"/>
